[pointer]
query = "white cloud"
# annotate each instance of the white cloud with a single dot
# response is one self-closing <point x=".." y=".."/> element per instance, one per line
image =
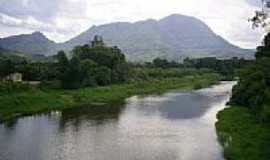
<point x="68" y="18"/>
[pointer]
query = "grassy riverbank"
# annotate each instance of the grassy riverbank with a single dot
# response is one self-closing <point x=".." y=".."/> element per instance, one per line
<point x="242" y="135"/>
<point x="41" y="100"/>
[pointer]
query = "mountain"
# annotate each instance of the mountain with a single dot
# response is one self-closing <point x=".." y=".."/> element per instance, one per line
<point x="9" y="52"/>
<point x="174" y="37"/>
<point x="4" y="51"/>
<point x="35" y="43"/>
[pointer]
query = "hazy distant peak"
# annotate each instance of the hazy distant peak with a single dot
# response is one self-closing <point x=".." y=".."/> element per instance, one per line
<point x="33" y="43"/>
<point x="150" y="20"/>
<point x="179" y="17"/>
<point x="38" y="33"/>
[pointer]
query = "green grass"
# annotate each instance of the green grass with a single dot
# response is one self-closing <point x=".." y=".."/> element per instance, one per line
<point x="32" y="101"/>
<point x="242" y="135"/>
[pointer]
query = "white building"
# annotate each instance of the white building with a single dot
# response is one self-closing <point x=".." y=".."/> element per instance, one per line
<point x="14" y="77"/>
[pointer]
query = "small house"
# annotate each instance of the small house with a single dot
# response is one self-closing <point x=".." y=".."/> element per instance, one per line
<point x="14" y="77"/>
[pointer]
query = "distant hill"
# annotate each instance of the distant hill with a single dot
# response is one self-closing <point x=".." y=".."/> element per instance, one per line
<point x="174" y="37"/>
<point x="33" y="57"/>
<point x="4" y="51"/>
<point x="35" y="43"/>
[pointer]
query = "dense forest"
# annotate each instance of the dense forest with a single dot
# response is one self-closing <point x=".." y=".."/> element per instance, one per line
<point x="244" y="128"/>
<point x="253" y="87"/>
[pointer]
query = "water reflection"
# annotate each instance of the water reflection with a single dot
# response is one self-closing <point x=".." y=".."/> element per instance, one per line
<point x="98" y="115"/>
<point x="178" y="104"/>
<point x="178" y="125"/>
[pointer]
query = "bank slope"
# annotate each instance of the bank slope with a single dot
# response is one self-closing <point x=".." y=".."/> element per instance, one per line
<point x="242" y="135"/>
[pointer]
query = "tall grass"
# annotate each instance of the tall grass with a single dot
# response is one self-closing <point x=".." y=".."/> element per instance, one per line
<point x="242" y="135"/>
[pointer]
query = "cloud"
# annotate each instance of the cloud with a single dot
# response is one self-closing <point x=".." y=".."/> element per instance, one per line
<point x="29" y="22"/>
<point x="64" y="19"/>
<point x="256" y="3"/>
<point x="56" y="18"/>
<point x="43" y="10"/>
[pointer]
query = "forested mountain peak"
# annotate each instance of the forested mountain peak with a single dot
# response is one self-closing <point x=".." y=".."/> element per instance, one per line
<point x="173" y="37"/>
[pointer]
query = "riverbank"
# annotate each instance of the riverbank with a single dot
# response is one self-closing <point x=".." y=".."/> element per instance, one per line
<point x="36" y="100"/>
<point x="242" y="135"/>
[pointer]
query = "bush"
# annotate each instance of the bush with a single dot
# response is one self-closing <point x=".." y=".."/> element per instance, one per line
<point x="265" y="114"/>
<point x="11" y="87"/>
<point x="197" y="86"/>
<point x="251" y="89"/>
<point x="51" y="84"/>
<point x="103" y="76"/>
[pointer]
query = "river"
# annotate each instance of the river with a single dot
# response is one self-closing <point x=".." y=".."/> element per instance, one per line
<point x="178" y="125"/>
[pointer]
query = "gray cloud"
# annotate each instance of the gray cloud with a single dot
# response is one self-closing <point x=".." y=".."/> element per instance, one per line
<point x="42" y="10"/>
<point x="31" y="24"/>
<point x="49" y="16"/>
<point x="256" y="3"/>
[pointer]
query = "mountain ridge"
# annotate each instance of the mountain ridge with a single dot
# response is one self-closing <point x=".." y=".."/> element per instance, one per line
<point x="173" y="37"/>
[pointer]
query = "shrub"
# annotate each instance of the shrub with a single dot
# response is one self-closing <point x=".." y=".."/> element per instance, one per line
<point x="11" y="87"/>
<point x="51" y="84"/>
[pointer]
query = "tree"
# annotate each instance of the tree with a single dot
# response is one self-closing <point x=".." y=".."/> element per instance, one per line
<point x="72" y="76"/>
<point x="160" y="63"/>
<point x="259" y="19"/>
<point x="103" y="75"/>
<point x="62" y="64"/>
<point x="62" y="60"/>
<point x="252" y="90"/>
<point x="110" y="58"/>
<point x="6" y="67"/>
<point x="88" y="72"/>
<point x="264" y="51"/>
<point x="97" y="42"/>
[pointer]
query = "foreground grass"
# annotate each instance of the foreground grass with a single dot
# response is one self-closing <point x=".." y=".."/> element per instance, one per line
<point x="242" y="135"/>
<point x="35" y="100"/>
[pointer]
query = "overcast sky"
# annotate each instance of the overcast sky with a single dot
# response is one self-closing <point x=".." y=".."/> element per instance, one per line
<point x="61" y="20"/>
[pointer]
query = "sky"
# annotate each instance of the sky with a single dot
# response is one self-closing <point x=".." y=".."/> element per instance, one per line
<point x="61" y="20"/>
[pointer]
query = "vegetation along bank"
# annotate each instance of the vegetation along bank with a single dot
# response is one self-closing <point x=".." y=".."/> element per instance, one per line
<point x="244" y="128"/>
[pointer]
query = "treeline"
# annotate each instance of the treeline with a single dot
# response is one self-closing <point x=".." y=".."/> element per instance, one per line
<point x="253" y="88"/>
<point x="96" y="64"/>
<point x="11" y="64"/>
<point x="227" y="68"/>
<point x="145" y="74"/>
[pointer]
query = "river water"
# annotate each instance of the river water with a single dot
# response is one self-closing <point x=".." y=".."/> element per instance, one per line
<point x="178" y="125"/>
